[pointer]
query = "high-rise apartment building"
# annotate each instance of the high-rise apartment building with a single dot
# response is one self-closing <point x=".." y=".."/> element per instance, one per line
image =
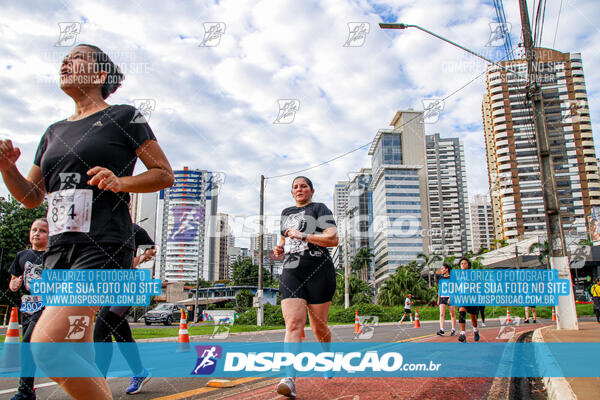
<point x="448" y="201"/>
<point x="513" y="166"/>
<point x="359" y="218"/>
<point x="222" y="249"/>
<point x="399" y="187"/>
<point x="340" y="199"/>
<point x="482" y="225"/>
<point x="186" y="226"/>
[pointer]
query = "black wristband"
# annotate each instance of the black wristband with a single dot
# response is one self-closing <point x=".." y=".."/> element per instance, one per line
<point x="304" y="236"/>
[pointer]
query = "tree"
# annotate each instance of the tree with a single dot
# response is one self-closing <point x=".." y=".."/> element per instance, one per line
<point x="499" y="243"/>
<point x="246" y="274"/>
<point x="544" y="252"/>
<point x="428" y="260"/>
<point x="243" y="299"/>
<point x="360" y="291"/>
<point x="404" y="281"/>
<point x="15" y="222"/>
<point x="361" y="259"/>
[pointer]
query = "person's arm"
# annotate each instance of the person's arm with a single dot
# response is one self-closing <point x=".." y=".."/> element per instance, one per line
<point x="158" y="176"/>
<point x="15" y="283"/>
<point x="28" y="191"/>
<point x="327" y="238"/>
<point x="278" y="250"/>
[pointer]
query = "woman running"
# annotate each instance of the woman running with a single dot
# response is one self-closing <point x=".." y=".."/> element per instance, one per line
<point x="308" y="277"/>
<point x="26" y="266"/>
<point x="85" y="164"/>
<point x="464" y="263"/>
<point x="444" y="302"/>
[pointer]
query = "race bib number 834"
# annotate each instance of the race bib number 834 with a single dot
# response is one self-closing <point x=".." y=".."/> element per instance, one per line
<point x="69" y="210"/>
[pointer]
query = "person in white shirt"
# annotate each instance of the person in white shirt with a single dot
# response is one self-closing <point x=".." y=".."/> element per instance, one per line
<point x="407" y="304"/>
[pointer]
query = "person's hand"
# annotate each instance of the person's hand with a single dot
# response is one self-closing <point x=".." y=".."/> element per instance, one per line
<point x="15" y="283"/>
<point x="147" y="255"/>
<point x="278" y="251"/>
<point x="8" y="154"/>
<point x="293" y="234"/>
<point x="105" y="179"/>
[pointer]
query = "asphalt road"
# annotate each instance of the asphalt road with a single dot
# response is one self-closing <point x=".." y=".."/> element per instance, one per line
<point x="159" y="387"/>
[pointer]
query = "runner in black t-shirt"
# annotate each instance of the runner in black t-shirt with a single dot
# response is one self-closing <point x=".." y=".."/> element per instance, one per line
<point x="463" y="310"/>
<point x="85" y="163"/>
<point x="111" y="321"/>
<point x="308" y="277"/>
<point x="28" y="265"/>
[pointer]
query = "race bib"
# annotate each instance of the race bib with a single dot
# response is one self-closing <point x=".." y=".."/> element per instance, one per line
<point x="31" y="304"/>
<point x="294" y="245"/>
<point x="69" y="210"/>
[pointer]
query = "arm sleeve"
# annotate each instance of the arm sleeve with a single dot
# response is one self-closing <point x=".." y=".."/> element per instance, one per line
<point x="37" y="160"/>
<point x="138" y="130"/>
<point x="325" y="219"/>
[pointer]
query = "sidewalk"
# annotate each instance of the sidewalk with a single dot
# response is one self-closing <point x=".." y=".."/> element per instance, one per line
<point x="572" y="388"/>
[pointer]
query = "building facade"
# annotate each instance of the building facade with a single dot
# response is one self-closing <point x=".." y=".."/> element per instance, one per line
<point x="186" y="226"/>
<point x="221" y="272"/>
<point x="359" y="219"/>
<point x="482" y="224"/>
<point x="340" y="199"/>
<point x="514" y="176"/>
<point x="450" y="232"/>
<point x="399" y="186"/>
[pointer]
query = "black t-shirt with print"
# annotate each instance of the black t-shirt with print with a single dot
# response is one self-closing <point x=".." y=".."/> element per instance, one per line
<point x="68" y="149"/>
<point x="29" y="265"/>
<point x="312" y="218"/>
<point x="141" y="237"/>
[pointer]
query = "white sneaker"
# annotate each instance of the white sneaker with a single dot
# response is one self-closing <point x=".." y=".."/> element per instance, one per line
<point x="483" y="324"/>
<point x="287" y="387"/>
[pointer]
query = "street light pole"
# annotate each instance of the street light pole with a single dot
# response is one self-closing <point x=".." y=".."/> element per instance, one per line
<point x="259" y="292"/>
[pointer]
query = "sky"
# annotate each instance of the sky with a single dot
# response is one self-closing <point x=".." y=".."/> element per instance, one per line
<point x="215" y="75"/>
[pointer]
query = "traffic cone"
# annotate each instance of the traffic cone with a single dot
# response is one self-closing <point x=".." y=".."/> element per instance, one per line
<point x="554" y="314"/>
<point x="357" y="327"/>
<point x="417" y="322"/>
<point x="508" y="320"/>
<point x="183" y="341"/>
<point x="303" y="335"/>
<point x="11" y="349"/>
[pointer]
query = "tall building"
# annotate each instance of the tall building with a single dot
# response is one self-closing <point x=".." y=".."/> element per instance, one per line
<point x="340" y="199"/>
<point x="399" y="187"/>
<point x="450" y="233"/>
<point x="359" y="218"/>
<point x="514" y="175"/>
<point x="270" y="240"/>
<point x="186" y="226"/>
<point x="482" y="225"/>
<point x="143" y="208"/>
<point x="221" y="271"/>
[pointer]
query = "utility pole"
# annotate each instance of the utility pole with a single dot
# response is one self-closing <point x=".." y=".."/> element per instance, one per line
<point x="346" y="265"/>
<point x="258" y="303"/>
<point x="566" y="311"/>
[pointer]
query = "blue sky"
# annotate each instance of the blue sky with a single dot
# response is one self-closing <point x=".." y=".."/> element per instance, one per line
<point x="215" y="105"/>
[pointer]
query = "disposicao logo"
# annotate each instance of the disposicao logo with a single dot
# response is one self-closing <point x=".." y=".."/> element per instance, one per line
<point x="207" y="359"/>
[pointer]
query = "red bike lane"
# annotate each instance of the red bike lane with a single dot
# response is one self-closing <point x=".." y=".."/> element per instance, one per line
<point x="392" y="388"/>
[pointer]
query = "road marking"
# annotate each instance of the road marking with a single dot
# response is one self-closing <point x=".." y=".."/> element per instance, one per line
<point x="415" y="338"/>
<point x="40" y="385"/>
<point x="193" y="392"/>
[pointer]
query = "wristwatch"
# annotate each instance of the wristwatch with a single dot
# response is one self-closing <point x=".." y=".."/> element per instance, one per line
<point x="304" y="236"/>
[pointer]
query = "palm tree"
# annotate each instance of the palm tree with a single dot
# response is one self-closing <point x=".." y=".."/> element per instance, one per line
<point x="544" y="252"/>
<point x="499" y="243"/>
<point x="361" y="260"/>
<point x="404" y="281"/>
<point x="428" y="260"/>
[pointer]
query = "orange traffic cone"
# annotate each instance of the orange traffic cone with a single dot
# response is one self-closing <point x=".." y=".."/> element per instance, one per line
<point x="553" y="313"/>
<point x="303" y="335"/>
<point x="508" y="320"/>
<point x="357" y="327"/>
<point x="417" y="322"/>
<point x="183" y="341"/>
<point x="11" y="353"/>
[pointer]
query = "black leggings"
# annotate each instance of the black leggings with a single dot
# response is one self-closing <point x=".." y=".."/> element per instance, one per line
<point x="27" y="363"/>
<point x="111" y="322"/>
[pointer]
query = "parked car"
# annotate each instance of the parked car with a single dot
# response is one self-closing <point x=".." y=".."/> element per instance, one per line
<point x="164" y="313"/>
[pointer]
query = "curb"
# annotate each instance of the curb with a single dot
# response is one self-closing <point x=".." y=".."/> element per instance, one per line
<point x="500" y="389"/>
<point x="557" y="388"/>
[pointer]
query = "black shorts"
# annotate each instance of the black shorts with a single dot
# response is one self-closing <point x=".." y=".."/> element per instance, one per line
<point x="407" y="311"/>
<point x="473" y="310"/>
<point x="313" y="283"/>
<point x="445" y="300"/>
<point x="88" y="256"/>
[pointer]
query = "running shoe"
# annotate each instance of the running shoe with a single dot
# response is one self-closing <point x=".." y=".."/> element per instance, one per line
<point x="476" y="336"/>
<point x="287" y="387"/>
<point x="440" y="333"/>
<point x="535" y="321"/>
<point x="453" y="333"/>
<point x="23" y="396"/>
<point x="138" y="381"/>
<point x="526" y="321"/>
<point x="483" y="324"/>
<point x="462" y="337"/>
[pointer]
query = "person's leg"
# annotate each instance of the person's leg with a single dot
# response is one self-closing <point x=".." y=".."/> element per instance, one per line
<point x="317" y="316"/>
<point x="127" y="346"/>
<point x="453" y="317"/>
<point x="294" y="315"/>
<point x="55" y="326"/>
<point x="474" y="323"/>
<point x="534" y="314"/>
<point x="442" y="316"/>
<point x="103" y="331"/>
<point x="482" y="312"/>
<point x="411" y="316"/>
<point x="26" y="381"/>
<point x="526" y="314"/>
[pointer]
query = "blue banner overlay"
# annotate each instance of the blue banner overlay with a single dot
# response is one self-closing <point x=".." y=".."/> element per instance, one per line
<point x="96" y="287"/>
<point x="234" y="359"/>
<point x="504" y="287"/>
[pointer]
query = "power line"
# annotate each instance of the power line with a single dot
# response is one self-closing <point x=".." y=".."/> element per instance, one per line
<point x="557" y="21"/>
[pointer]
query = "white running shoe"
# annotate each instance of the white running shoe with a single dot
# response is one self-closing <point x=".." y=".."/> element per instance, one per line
<point x="287" y="387"/>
